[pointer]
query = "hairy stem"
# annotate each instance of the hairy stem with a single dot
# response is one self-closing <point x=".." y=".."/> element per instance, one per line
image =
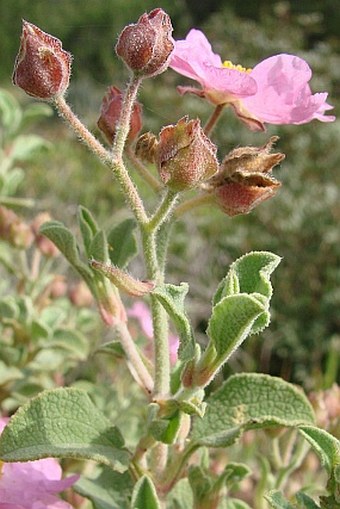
<point x="113" y="160"/>
<point x="134" y="358"/>
<point x="163" y="211"/>
<point x="143" y="170"/>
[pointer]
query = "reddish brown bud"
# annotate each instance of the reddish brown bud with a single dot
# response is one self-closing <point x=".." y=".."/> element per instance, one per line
<point x="42" y="68"/>
<point x="110" y="114"/>
<point x="80" y="295"/>
<point x="244" y="180"/>
<point x="45" y="245"/>
<point x="185" y="155"/>
<point x="146" y="46"/>
<point x="14" y="230"/>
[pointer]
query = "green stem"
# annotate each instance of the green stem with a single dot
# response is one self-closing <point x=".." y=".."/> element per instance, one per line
<point x="297" y="458"/>
<point x="213" y="119"/>
<point x="159" y="318"/>
<point x="163" y="211"/>
<point x="197" y="201"/>
<point x="143" y="171"/>
<point x="123" y="126"/>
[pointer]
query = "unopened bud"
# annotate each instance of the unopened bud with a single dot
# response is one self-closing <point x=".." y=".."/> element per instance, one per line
<point x="110" y="114"/>
<point x="123" y="280"/>
<point x="42" y="68"/>
<point x="146" y="46"/>
<point x="185" y="155"/>
<point x="80" y="295"/>
<point x="244" y="180"/>
<point x="14" y="230"/>
<point x="45" y="245"/>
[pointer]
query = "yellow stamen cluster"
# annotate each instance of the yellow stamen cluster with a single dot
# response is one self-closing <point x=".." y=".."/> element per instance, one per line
<point x="238" y="67"/>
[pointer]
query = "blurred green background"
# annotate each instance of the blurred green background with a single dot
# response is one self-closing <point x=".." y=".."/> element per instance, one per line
<point x="301" y="223"/>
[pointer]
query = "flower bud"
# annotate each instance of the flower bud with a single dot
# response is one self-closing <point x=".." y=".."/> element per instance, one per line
<point x="80" y="295"/>
<point x="15" y="231"/>
<point x="42" y="68"/>
<point x="123" y="280"/>
<point x="146" y="46"/>
<point x="45" y="245"/>
<point x="185" y="155"/>
<point x="244" y="180"/>
<point x="110" y="114"/>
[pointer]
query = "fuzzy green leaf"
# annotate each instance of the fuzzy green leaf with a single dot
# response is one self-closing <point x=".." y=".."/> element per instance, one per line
<point x="88" y="228"/>
<point x="172" y="299"/>
<point x="65" y="241"/>
<point x="250" y="400"/>
<point x="249" y="274"/>
<point x="231" y="322"/>
<point x="27" y="146"/>
<point x="144" y="495"/>
<point x="324" y="444"/>
<point x="277" y="500"/>
<point x="122" y="243"/>
<point x="99" y="247"/>
<point x="62" y="423"/>
<point x="109" y="490"/>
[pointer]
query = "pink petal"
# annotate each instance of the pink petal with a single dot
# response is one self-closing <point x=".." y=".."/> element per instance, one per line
<point x="283" y="95"/>
<point x="141" y="312"/>
<point x="193" y="57"/>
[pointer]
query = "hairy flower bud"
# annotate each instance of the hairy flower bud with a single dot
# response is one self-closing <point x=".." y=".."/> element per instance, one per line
<point x="185" y="156"/>
<point x="123" y="280"/>
<point x="45" y="245"/>
<point x="14" y="230"/>
<point x="42" y="68"/>
<point x="244" y="180"/>
<point x="110" y="114"/>
<point x="146" y="46"/>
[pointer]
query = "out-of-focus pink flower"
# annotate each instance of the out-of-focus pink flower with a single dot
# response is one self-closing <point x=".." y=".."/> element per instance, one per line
<point x="32" y="485"/>
<point x="141" y="313"/>
<point x="275" y="91"/>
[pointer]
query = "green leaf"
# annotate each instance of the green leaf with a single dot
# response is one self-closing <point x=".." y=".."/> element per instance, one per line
<point x="144" y="495"/>
<point x="250" y="400"/>
<point x="305" y="502"/>
<point x="231" y="322"/>
<point x="99" y="247"/>
<point x="12" y="181"/>
<point x="62" y="423"/>
<point x="108" y="490"/>
<point x="166" y="430"/>
<point x="10" y="111"/>
<point x="249" y="274"/>
<point x="277" y="500"/>
<point x="9" y="373"/>
<point x="172" y="299"/>
<point x="181" y="496"/>
<point x="35" y="111"/>
<point x="26" y="146"/>
<point x="88" y="228"/>
<point x="71" y="341"/>
<point x="122" y="243"/>
<point x="235" y="473"/>
<point x="235" y="503"/>
<point x="324" y="444"/>
<point x="67" y="244"/>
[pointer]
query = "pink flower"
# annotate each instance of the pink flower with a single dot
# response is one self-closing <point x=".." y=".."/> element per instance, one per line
<point x="141" y="312"/>
<point x="275" y="91"/>
<point x="32" y="485"/>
